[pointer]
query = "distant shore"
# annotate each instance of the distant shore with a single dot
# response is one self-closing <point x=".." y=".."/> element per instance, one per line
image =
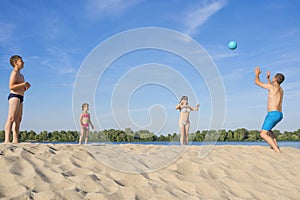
<point x="126" y="171"/>
<point x="128" y="135"/>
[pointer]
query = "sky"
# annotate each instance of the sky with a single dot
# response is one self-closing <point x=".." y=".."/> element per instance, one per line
<point x="66" y="46"/>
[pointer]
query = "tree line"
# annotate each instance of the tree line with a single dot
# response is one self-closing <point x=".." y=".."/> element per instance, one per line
<point x="129" y="135"/>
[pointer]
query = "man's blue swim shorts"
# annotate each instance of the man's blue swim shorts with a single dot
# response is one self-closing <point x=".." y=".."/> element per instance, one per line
<point x="272" y="118"/>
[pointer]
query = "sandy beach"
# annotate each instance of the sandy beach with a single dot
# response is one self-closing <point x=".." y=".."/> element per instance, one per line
<point x="129" y="171"/>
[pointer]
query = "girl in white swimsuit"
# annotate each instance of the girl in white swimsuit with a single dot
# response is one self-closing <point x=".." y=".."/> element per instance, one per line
<point x="184" y="123"/>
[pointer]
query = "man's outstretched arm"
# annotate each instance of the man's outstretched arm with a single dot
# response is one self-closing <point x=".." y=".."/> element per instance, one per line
<point x="268" y="77"/>
<point x="258" y="82"/>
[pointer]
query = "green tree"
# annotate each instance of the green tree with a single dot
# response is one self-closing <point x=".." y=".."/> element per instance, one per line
<point x="294" y="137"/>
<point x="230" y="135"/>
<point x="129" y="138"/>
<point x="162" y="138"/>
<point x="23" y="136"/>
<point x="282" y="137"/>
<point x="199" y="136"/>
<point x="55" y="136"/>
<point x="2" y="135"/>
<point x="253" y="135"/>
<point x="137" y="136"/>
<point x="121" y="137"/>
<point x="212" y="135"/>
<point x="145" y="135"/>
<point x="94" y="136"/>
<point x="169" y="137"/>
<point x="44" y="136"/>
<point x="240" y="134"/>
<point x="128" y="131"/>
<point x="236" y="135"/>
<point x="223" y="135"/>
<point x="31" y="135"/>
<point x="154" y="138"/>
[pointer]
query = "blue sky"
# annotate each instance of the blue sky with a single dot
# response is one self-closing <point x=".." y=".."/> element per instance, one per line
<point x="56" y="37"/>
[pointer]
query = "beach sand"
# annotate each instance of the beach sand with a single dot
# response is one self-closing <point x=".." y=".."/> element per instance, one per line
<point x="130" y="171"/>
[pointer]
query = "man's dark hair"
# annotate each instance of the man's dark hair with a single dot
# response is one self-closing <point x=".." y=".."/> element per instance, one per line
<point x="279" y="78"/>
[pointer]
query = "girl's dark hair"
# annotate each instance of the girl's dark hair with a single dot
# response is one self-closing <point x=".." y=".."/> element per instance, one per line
<point x="83" y="105"/>
<point x="184" y="98"/>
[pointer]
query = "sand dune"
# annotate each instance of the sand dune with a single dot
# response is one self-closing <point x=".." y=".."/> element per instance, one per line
<point x="60" y="171"/>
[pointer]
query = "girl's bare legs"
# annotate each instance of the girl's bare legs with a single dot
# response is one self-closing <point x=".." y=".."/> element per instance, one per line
<point x="86" y="135"/>
<point x="187" y="127"/>
<point x="13" y="106"/>
<point x="182" y="132"/>
<point x="16" y="124"/>
<point x="81" y="135"/>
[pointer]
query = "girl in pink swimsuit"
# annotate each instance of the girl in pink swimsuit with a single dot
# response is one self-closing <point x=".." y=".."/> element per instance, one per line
<point x="85" y="122"/>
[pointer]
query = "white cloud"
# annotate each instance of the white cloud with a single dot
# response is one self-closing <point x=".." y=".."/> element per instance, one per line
<point x="292" y="90"/>
<point x="220" y="56"/>
<point x="6" y="39"/>
<point x="235" y="74"/>
<point x="5" y="32"/>
<point x="98" y="9"/>
<point x="58" y="61"/>
<point x="196" y="17"/>
<point x="53" y="27"/>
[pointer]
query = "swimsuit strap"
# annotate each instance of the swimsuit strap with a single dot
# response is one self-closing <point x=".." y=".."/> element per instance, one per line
<point x="86" y="115"/>
<point x="185" y="109"/>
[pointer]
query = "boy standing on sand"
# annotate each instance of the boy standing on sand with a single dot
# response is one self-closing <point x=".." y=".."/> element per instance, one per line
<point x="17" y="86"/>
<point x="274" y="115"/>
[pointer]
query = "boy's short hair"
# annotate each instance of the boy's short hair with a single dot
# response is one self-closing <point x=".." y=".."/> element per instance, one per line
<point x="14" y="59"/>
<point x="83" y="105"/>
<point x="279" y="78"/>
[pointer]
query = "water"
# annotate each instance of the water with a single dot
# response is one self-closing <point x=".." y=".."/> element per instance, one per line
<point x="294" y="144"/>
